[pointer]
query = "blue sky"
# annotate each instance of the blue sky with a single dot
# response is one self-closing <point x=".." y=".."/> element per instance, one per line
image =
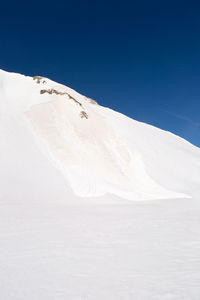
<point x="141" y="58"/>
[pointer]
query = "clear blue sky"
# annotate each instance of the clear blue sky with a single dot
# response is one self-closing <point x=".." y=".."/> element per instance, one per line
<point x="141" y="58"/>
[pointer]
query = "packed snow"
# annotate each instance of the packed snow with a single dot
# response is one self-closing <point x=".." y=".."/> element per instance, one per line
<point x="93" y="204"/>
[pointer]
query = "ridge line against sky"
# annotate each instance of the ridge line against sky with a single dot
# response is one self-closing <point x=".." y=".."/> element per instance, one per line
<point x="141" y="58"/>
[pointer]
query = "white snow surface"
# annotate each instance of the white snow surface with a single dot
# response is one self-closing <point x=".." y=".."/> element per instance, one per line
<point x="72" y="226"/>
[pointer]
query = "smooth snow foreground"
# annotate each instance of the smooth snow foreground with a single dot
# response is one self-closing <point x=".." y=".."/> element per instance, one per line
<point x="68" y="170"/>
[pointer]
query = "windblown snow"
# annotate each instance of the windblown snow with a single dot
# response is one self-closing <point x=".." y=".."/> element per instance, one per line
<point x="57" y="147"/>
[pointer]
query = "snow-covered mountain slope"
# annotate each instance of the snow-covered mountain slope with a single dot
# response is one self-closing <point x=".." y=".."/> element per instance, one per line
<point x="97" y="150"/>
<point x="56" y="145"/>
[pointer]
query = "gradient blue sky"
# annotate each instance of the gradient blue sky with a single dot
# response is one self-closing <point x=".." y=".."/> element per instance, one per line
<point x="141" y="58"/>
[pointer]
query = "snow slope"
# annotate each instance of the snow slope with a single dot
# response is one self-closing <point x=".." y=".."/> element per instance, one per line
<point x="68" y="168"/>
<point x="98" y="150"/>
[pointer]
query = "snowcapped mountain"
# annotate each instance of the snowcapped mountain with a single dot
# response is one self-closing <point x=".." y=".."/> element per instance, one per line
<point x="96" y="149"/>
<point x="68" y="230"/>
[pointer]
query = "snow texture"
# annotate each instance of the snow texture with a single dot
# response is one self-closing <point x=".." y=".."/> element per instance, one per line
<point x="93" y="204"/>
